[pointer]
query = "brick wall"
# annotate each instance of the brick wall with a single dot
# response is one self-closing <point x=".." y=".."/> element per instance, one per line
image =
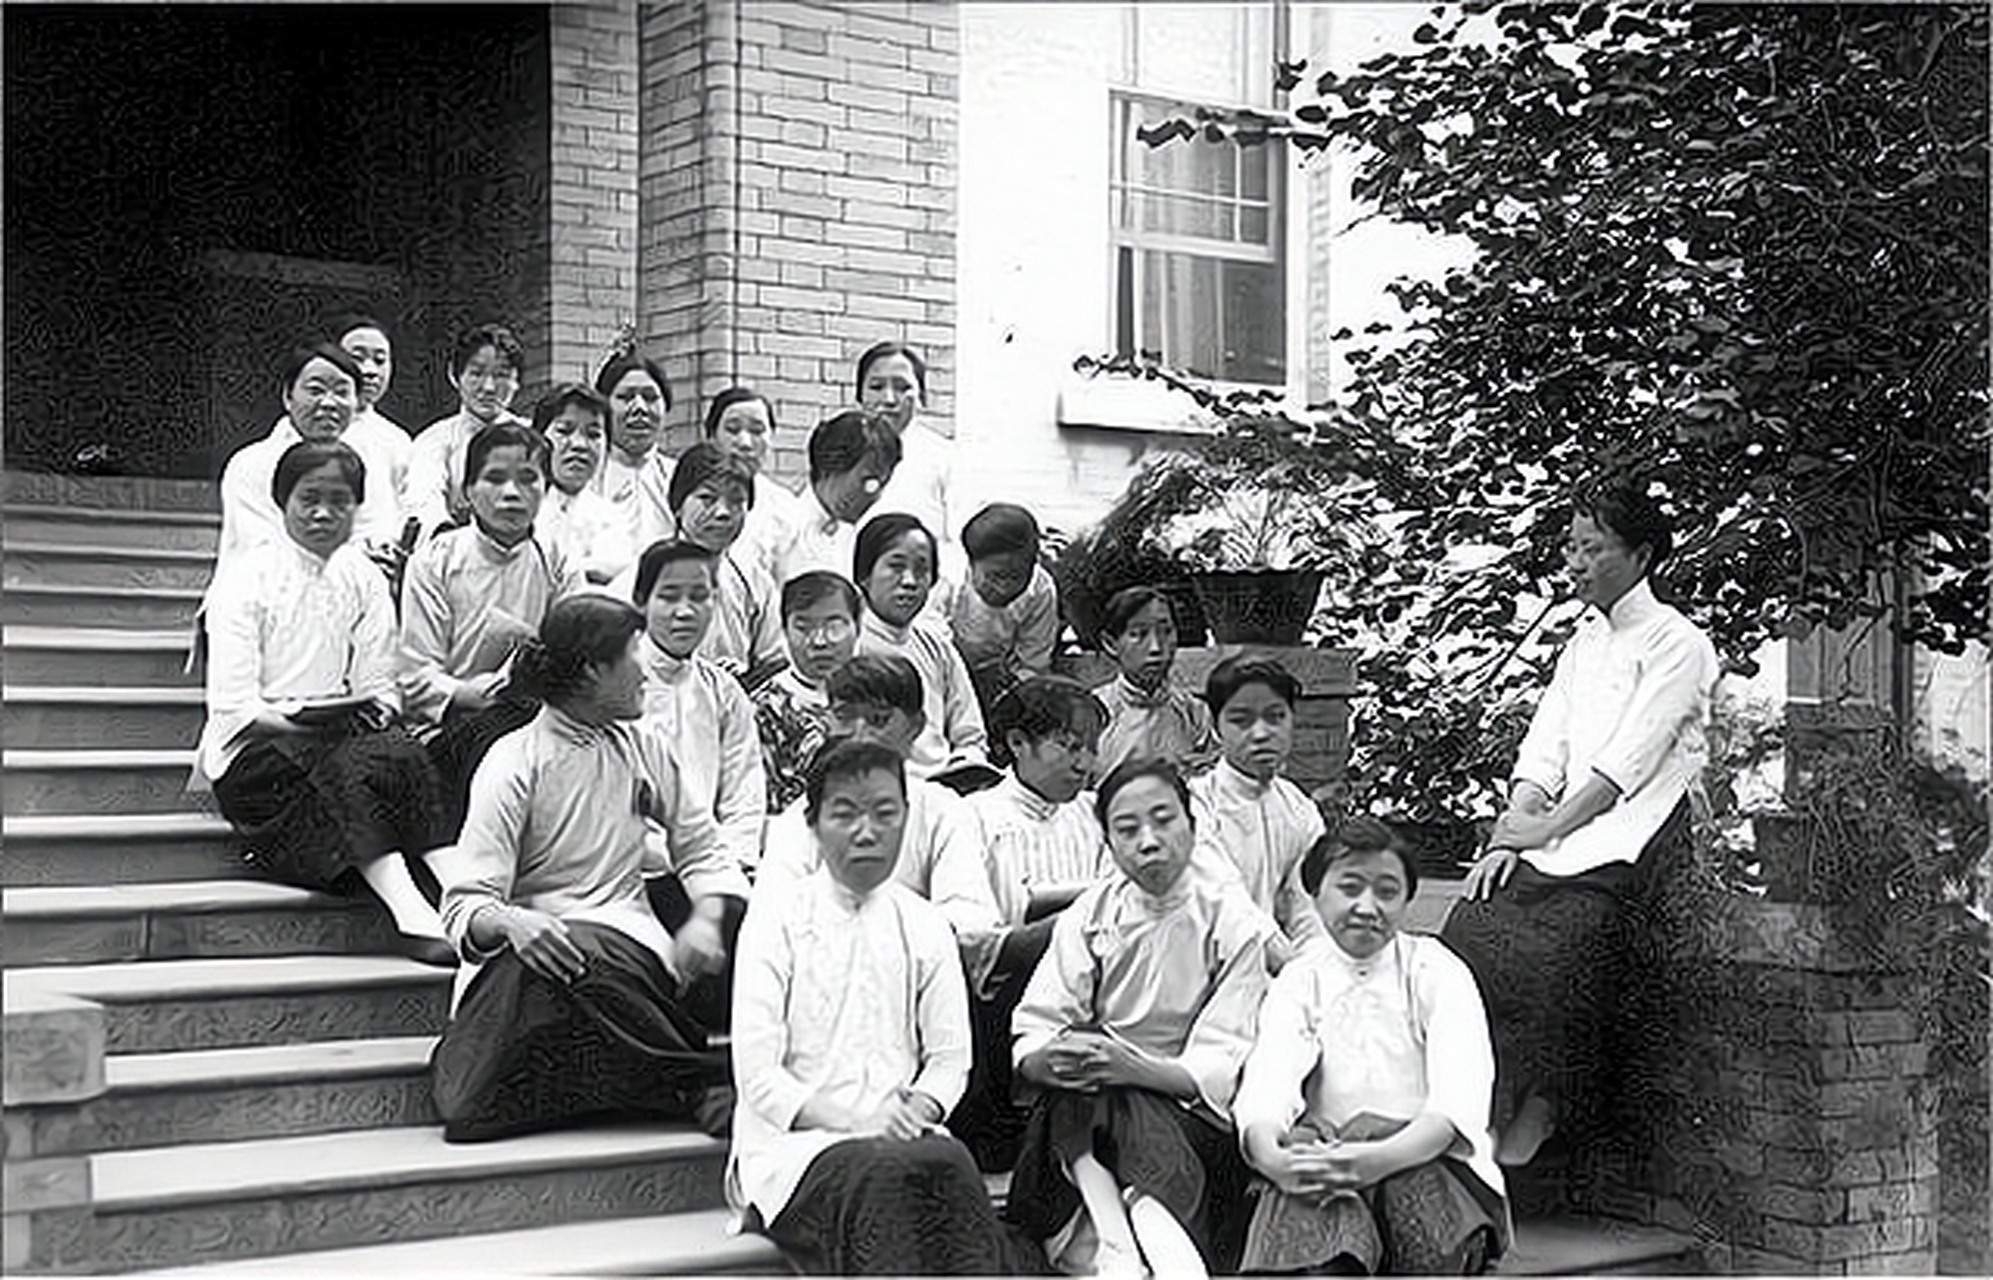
<point x="797" y="181"/>
<point x="591" y="185"/>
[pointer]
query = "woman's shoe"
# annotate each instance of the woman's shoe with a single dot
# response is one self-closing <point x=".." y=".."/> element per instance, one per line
<point x="426" y="950"/>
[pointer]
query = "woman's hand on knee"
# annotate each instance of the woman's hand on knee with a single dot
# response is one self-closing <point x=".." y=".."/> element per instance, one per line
<point x="1490" y="873"/>
<point x="544" y="944"/>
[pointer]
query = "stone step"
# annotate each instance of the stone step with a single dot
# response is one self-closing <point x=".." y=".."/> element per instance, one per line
<point x="174" y="530"/>
<point x="231" y="1095"/>
<point x="93" y="565"/>
<point x="142" y="780"/>
<point x="176" y="920"/>
<point x="94" y="656"/>
<point x="47" y="605"/>
<point x="211" y="1202"/>
<point x="135" y="495"/>
<point x="116" y="848"/>
<point x="154" y="1006"/>
<point x="1578" y="1246"/>
<point x="53" y="716"/>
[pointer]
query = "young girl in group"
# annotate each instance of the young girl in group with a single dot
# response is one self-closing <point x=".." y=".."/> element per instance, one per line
<point x="792" y="711"/>
<point x="852" y="1045"/>
<point x="1005" y="618"/>
<point x="1365" y="1100"/>
<point x="699" y="706"/>
<point x="636" y="476"/>
<point x="299" y="743"/>
<point x="1131" y="1032"/>
<point x="893" y="565"/>
<point x="484" y="368"/>
<point x="1148" y="717"/>
<point x="1263" y="823"/>
<point x="471" y="595"/>
<point x="712" y="495"/>
<point x="575" y="421"/>
<point x="575" y="1009"/>
<point x="741" y="422"/>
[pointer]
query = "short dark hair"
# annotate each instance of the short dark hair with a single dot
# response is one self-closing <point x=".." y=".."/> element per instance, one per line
<point x="844" y="759"/>
<point x="845" y="441"/>
<point x="347" y="321"/>
<point x="727" y="399"/>
<point x="1124" y="604"/>
<point x="1039" y="707"/>
<point x="621" y="366"/>
<point x="307" y="456"/>
<point x="665" y="551"/>
<point x="479" y="336"/>
<point x="1633" y="517"/>
<point x="1000" y="528"/>
<point x="883" y="350"/>
<point x="1132" y="771"/>
<point x="580" y="631"/>
<point x="306" y="352"/>
<point x="1355" y="838"/>
<point x="703" y="462"/>
<point x="879" y="680"/>
<point x="880" y="533"/>
<point x="805" y="589"/>
<point x="561" y="396"/>
<point x="500" y="435"/>
<point x="1235" y="673"/>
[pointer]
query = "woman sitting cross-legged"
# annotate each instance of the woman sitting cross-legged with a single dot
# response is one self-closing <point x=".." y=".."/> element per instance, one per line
<point x="1365" y="1098"/>
<point x="574" y="1009"/>
<point x="300" y="744"/>
<point x="851" y="1045"/>
<point x="1132" y="1031"/>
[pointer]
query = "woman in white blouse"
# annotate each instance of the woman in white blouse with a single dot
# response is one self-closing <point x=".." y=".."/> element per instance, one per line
<point x="300" y="743"/>
<point x="851" y="1045"/>
<point x="1365" y="1099"/>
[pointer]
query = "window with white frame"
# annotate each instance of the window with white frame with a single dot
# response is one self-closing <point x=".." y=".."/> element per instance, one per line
<point x="1197" y="234"/>
<point x="1199" y="280"/>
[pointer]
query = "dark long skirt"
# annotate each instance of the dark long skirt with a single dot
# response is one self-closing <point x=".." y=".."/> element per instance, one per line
<point x="310" y="808"/>
<point x="1435" y="1218"/>
<point x="1549" y="954"/>
<point x="989" y="1119"/>
<point x="873" y="1206"/>
<point x="525" y="1053"/>
<point x="460" y="746"/>
<point x="1190" y="1164"/>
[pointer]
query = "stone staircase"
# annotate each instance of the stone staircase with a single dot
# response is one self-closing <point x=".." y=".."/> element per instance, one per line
<point x="206" y="1074"/>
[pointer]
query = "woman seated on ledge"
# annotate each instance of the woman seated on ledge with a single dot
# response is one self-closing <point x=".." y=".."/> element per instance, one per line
<point x="574" y="1010"/>
<point x="300" y="743"/>
<point x="1365" y="1099"/>
<point x="851" y="1046"/>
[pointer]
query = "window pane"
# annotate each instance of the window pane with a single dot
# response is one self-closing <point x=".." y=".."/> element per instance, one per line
<point x="1181" y="216"/>
<point x="1254" y="163"/>
<point x="1255" y="323"/>
<point x="1211" y="317"/>
<point x="1253" y="225"/>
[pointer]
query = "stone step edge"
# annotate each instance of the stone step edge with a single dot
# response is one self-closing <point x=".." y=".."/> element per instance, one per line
<point x="27" y="635"/>
<point x="118" y="592"/>
<point x="108" y="551"/>
<point x="143" y="981"/>
<point x="150" y="695"/>
<point x="266" y="1065"/>
<point x="111" y="826"/>
<point x="97" y="758"/>
<point x="173" y="897"/>
<point x="113" y="515"/>
<point x="367" y="1159"/>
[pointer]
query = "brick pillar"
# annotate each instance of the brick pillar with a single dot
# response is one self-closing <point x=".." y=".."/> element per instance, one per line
<point x="798" y="176"/>
<point x="592" y="185"/>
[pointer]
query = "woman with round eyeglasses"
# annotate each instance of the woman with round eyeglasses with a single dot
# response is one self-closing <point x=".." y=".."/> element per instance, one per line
<point x="792" y="710"/>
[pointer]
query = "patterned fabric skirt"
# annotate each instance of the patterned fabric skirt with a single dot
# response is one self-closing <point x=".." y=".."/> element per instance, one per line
<point x="873" y="1206"/>
<point x="460" y="746"/>
<point x="1150" y="1143"/>
<point x="1435" y="1218"/>
<point x="309" y="808"/>
<point x="524" y="1052"/>
<point x="1549" y="954"/>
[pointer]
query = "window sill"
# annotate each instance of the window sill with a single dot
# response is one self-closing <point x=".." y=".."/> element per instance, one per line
<point x="1114" y="403"/>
